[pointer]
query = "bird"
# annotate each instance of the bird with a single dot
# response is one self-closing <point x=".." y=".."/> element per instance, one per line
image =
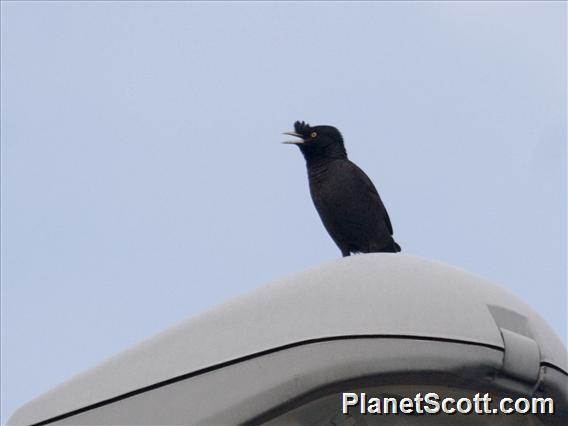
<point x="345" y="198"/>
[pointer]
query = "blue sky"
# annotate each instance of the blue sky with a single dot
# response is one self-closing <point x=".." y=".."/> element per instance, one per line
<point x="143" y="179"/>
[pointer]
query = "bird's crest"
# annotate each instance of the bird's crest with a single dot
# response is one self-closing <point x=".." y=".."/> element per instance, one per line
<point x="302" y="127"/>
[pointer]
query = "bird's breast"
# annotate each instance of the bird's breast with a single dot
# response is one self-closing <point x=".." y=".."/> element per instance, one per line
<point x="328" y="183"/>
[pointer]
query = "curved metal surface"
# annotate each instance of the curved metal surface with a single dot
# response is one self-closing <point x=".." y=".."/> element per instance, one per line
<point x="377" y="295"/>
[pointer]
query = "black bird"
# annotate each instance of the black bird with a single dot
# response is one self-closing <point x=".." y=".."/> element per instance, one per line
<point x="345" y="198"/>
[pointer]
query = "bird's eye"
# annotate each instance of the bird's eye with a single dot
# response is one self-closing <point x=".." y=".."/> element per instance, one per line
<point x="313" y="135"/>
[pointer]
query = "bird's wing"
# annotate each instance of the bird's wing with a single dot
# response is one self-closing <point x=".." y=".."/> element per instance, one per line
<point x="367" y="183"/>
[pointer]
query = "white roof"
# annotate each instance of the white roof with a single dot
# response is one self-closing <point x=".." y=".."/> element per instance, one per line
<point x="374" y="294"/>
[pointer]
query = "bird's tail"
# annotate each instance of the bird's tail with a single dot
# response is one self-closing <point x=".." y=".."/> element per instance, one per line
<point x="391" y="247"/>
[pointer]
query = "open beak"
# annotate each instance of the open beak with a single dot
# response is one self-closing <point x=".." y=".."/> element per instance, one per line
<point x="295" y="142"/>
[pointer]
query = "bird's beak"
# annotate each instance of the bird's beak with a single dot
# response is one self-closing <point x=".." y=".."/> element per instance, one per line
<point x="296" y="142"/>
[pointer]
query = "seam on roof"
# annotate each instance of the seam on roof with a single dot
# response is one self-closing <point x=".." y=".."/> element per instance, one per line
<point x="252" y="356"/>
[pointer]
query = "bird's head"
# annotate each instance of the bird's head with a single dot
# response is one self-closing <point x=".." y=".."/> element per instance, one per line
<point x="317" y="141"/>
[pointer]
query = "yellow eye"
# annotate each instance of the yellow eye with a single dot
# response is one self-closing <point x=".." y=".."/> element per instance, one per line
<point x="313" y="135"/>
